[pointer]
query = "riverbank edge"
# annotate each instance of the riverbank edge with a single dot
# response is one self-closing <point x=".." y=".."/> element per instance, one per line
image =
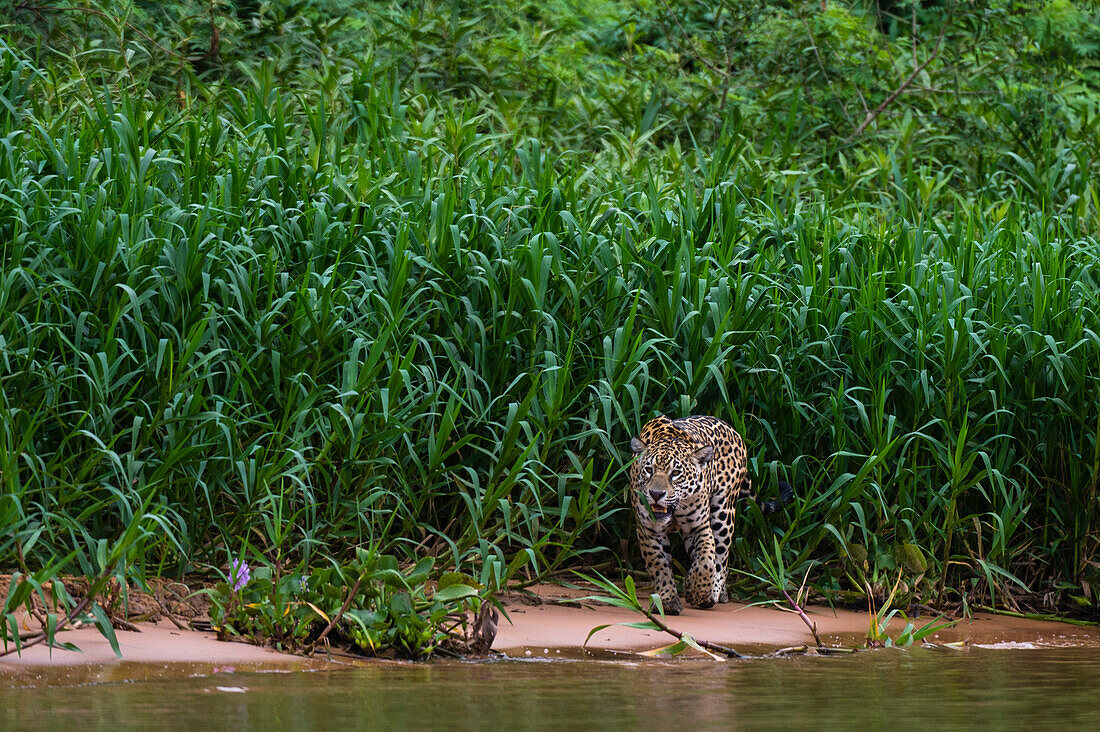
<point x="555" y="617"/>
<point x="551" y="621"/>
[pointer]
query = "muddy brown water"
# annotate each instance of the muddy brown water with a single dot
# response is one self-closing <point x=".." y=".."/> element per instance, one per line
<point x="1010" y="685"/>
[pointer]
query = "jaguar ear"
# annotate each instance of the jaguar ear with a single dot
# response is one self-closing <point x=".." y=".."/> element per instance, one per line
<point x="703" y="455"/>
<point x="637" y="445"/>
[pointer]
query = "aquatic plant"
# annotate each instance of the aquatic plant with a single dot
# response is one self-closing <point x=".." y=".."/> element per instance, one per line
<point x="371" y="605"/>
<point x="239" y="574"/>
<point x="880" y="617"/>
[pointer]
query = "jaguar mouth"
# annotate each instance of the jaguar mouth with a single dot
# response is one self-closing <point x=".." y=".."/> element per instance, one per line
<point x="663" y="513"/>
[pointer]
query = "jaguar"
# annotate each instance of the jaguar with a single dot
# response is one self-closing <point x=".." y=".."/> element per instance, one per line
<point x="687" y="476"/>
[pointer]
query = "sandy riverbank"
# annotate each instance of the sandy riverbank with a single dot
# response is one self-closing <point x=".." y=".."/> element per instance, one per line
<point x="553" y="623"/>
<point x="158" y="651"/>
<point x="156" y="643"/>
<point x="561" y="622"/>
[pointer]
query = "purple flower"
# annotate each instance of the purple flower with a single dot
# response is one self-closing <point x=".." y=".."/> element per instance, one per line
<point x="239" y="574"/>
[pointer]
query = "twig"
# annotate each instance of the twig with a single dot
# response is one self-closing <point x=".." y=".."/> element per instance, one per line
<point x="806" y="649"/>
<point x="125" y="625"/>
<point x="339" y="614"/>
<point x="1034" y="616"/>
<point x="806" y="620"/>
<point x="649" y="615"/>
<point x="168" y="613"/>
<point x="680" y="636"/>
<point x="24" y="635"/>
<point x="874" y="113"/>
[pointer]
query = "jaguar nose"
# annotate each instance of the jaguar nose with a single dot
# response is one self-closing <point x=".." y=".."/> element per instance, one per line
<point x="657" y="494"/>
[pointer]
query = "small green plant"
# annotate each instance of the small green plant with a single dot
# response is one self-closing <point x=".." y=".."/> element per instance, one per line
<point x="42" y="595"/>
<point x="777" y="576"/>
<point x="880" y="617"/>
<point x="911" y="634"/>
<point x="399" y="611"/>
<point x="371" y="603"/>
<point x="52" y="606"/>
<point x="263" y="604"/>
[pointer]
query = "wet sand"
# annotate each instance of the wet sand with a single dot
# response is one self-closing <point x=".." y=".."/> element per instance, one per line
<point x="554" y="624"/>
<point x="156" y="643"/>
<point x="157" y="652"/>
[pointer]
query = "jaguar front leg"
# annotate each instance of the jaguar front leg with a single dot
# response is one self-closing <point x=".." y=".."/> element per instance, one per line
<point x="658" y="562"/>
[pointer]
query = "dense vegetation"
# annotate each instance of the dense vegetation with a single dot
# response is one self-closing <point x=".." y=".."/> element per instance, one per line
<point x="283" y="280"/>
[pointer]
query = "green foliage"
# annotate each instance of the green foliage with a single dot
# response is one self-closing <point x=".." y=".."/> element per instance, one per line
<point x="21" y="595"/>
<point x="282" y="607"/>
<point x="374" y="604"/>
<point x="400" y="613"/>
<point x="908" y="636"/>
<point x="101" y="561"/>
<point x="383" y="276"/>
<point x="877" y="633"/>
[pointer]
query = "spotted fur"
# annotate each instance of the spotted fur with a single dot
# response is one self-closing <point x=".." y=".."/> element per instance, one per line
<point x="687" y="476"/>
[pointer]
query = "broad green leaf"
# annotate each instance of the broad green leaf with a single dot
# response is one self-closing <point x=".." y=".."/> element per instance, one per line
<point x="454" y="592"/>
<point x="103" y="623"/>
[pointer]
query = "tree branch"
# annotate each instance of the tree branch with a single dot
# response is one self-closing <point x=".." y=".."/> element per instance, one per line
<point x="806" y="620"/>
<point x="874" y="113"/>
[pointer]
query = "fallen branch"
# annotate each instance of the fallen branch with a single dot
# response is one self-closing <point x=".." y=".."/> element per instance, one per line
<point x="125" y="624"/>
<point x="680" y="636"/>
<point x="1035" y="616"/>
<point x="336" y="618"/>
<point x="168" y="613"/>
<point x="824" y="650"/>
<point x="628" y="599"/>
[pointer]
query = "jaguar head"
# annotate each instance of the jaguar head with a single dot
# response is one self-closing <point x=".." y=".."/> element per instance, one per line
<point x="665" y="473"/>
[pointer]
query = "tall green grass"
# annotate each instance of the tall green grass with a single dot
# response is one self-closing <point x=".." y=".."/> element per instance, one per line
<point x="354" y="314"/>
